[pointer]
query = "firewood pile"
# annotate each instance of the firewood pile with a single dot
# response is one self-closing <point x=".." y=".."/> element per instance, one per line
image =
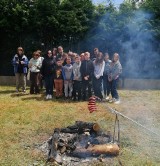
<point x="80" y="141"/>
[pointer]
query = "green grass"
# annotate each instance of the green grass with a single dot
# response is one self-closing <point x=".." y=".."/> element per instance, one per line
<point x="26" y="120"/>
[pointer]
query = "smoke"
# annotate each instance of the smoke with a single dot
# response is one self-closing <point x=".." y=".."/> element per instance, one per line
<point x="142" y="59"/>
<point x="132" y="36"/>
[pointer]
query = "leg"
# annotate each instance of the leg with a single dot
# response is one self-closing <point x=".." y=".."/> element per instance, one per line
<point x="89" y="88"/>
<point x="84" y="86"/>
<point x="74" y="89"/>
<point x="37" y="75"/>
<point x="60" y="88"/>
<point x="17" y="75"/>
<point x="31" y="83"/>
<point x="70" y="88"/>
<point x="79" y="89"/>
<point x="105" y="78"/>
<point x="56" y="87"/>
<point x="23" y="78"/>
<point x="66" y="84"/>
<point x="114" y="89"/>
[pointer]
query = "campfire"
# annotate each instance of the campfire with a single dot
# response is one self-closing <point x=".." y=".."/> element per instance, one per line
<point x="79" y="142"/>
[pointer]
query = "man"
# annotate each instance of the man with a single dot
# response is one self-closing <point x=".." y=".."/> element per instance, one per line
<point x="20" y="63"/>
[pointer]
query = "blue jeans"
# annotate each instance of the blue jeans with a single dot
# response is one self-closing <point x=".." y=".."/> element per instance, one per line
<point x="106" y="85"/>
<point x="49" y="84"/>
<point x="97" y="87"/>
<point x="114" y="92"/>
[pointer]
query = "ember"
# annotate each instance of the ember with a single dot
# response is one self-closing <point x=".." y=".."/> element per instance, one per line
<point x="80" y="141"/>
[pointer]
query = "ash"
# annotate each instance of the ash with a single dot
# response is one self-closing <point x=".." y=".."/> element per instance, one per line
<point x="69" y="146"/>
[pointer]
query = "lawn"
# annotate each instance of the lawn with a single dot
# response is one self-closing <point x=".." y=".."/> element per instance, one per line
<point x="28" y="120"/>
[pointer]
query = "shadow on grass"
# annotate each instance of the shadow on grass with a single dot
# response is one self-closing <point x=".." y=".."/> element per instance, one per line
<point x="34" y="97"/>
<point x="19" y="94"/>
<point x="7" y="91"/>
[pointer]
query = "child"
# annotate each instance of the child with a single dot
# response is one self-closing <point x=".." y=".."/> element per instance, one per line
<point x="77" y="78"/>
<point x="67" y="72"/>
<point x="58" y="79"/>
<point x="106" y="85"/>
<point x="98" y="74"/>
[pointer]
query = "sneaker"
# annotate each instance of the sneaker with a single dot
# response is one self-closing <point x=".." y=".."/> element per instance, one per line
<point x="50" y="97"/>
<point x="47" y="97"/>
<point x="107" y="98"/>
<point x="112" y="100"/>
<point x="24" y="91"/>
<point x="117" y="101"/>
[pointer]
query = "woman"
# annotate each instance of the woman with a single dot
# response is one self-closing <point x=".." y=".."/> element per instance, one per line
<point x="98" y="74"/>
<point x="47" y="72"/>
<point x="114" y="73"/>
<point x="106" y="86"/>
<point x="34" y="66"/>
<point x="20" y="63"/>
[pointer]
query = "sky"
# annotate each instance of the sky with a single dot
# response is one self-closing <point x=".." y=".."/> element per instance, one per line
<point x="117" y="2"/>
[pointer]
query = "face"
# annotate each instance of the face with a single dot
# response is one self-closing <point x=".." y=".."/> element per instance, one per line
<point x="86" y="56"/>
<point x="77" y="60"/>
<point x="68" y="61"/>
<point x="59" y="63"/>
<point x="96" y="51"/>
<point x="60" y="50"/>
<point x="36" y="56"/>
<point x="20" y="52"/>
<point x="115" y="57"/>
<point x="49" y="53"/>
<point x="106" y="58"/>
<point x="82" y="57"/>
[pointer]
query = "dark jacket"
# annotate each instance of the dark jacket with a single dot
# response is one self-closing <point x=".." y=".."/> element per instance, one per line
<point x="48" y="66"/>
<point x="87" y="68"/>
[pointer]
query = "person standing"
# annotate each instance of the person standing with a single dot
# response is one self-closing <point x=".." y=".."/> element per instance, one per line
<point x="106" y="85"/>
<point x="47" y="72"/>
<point x="98" y="74"/>
<point x="86" y="70"/>
<point x="58" y="79"/>
<point x="34" y="65"/>
<point x="67" y="72"/>
<point x="20" y="63"/>
<point x="77" y="80"/>
<point x="114" y="73"/>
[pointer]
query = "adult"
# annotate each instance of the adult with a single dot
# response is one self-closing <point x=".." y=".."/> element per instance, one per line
<point x="34" y="65"/>
<point x="106" y="87"/>
<point x="47" y="72"/>
<point x="95" y="53"/>
<point x="114" y="73"/>
<point x="86" y="70"/>
<point x="20" y="63"/>
<point x="98" y="74"/>
<point x="60" y="53"/>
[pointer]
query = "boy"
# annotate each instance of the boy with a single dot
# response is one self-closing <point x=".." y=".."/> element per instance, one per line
<point x="77" y="78"/>
<point x="67" y="72"/>
<point x="58" y="79"/>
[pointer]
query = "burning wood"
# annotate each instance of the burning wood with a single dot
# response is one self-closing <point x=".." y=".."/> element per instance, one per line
<point x="73" y="141"/>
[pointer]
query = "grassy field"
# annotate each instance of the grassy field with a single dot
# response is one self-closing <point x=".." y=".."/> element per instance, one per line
<point x="28" y="120"/>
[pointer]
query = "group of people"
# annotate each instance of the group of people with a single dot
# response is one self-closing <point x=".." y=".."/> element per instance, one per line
<point x="74" y="77"/>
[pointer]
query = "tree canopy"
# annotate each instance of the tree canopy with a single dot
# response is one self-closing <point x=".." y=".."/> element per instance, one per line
<point x="80" y="25"/>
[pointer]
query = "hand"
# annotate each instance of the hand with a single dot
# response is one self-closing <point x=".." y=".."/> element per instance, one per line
<point x="22" y="62"/>
<point x="86" y="78"/>
<point x="97" y="77"/>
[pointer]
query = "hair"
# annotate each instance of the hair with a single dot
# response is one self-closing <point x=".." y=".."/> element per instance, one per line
<point x="35" y="53"/>
<point x="20" y="48"/>
<point x="39" y="52"/>
<point x="99" y="61"/>
<point x="95" y="49"/>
